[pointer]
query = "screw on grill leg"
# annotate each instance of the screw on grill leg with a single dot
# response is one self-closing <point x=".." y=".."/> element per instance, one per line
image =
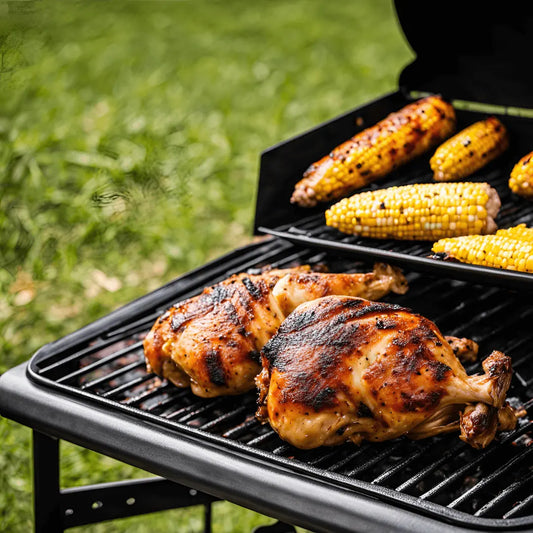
<point x="277" y="527"/>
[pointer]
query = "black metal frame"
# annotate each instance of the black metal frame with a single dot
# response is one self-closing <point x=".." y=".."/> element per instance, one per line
<point x="50" y="358"/>
<point x="50" y="403"/>
<point x="292" y="498"/>
<point x="57" y="509"/>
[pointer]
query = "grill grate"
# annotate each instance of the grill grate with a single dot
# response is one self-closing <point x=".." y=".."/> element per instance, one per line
<point x="440" y="476"/>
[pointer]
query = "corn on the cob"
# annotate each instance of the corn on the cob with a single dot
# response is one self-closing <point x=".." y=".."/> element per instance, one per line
<point x="521" y="180"/>
<point x="426" y="211"/>
<point x="376" y="151"/>
<point x="469" y="150"/>
<point x="509" y="249"/>
<point x="520" y="232"/>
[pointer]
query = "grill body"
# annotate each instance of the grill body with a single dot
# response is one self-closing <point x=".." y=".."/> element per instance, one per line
<point x="92" y="387"/>
<point x="188" y="439"/>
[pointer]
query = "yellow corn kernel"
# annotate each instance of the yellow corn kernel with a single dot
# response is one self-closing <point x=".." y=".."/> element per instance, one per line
<point x="428" y="211"/>
<point x="376" y="151"/>
<point x="498" y="251"/>
<point x="469" y="150"/>
<point x="520" y="232"/>
<point x="521" y="180"/>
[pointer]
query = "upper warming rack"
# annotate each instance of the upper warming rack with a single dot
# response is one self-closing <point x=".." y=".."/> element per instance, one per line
<point x="283" y="165"/>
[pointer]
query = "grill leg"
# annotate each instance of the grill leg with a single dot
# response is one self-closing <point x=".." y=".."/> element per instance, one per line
<point x="207" y="517"/>
<point x="56" y="510"/>
<point x="46" y="496"/>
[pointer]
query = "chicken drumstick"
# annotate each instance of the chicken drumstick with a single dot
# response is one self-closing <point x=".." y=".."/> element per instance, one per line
<point x="346" y="369"/>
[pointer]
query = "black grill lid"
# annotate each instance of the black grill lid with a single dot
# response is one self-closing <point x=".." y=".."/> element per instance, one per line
<point x="467" y="50"/>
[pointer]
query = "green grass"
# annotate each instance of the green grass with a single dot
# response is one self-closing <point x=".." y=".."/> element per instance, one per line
<point x="130" y="135"/>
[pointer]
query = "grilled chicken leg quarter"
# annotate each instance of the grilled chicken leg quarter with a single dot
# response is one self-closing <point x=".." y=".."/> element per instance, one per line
<point x="346" y="369"/>
<point x="211" y="342"/>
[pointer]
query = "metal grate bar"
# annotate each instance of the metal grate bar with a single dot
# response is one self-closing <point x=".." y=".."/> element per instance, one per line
<point x="281" y="450"/>
<point x="140" y="325"/>
<point x="113" y="375"/>
<point x="146" y="395"/>
<point x="486" y="315"/>
<point x="241" y="429"/>
<point x="173" y="395"/>
<point x="101" y="362"/>
<point x="504" y="495"/>
<point x="325" y="457"/>
<point x="453" y="313"/>
<point x="487" y="480"/>
<point x="376" y="459"/>
<point x="411" y="249"/>
<point x="401" y="465"/>
<point x="470" y="465"/>
<point x="224" y="418"/>
<point x="432" y="288"/>
<point x="453" y="452"/>
<point x="262" y="439"/>
<point x="93" y="348"/>
<point x="186" y="413"/>
<point x="129" y="385"/>
<point x="521" y="508"/>
<point x="522" y="359"/>
<point x="339" y="464"/>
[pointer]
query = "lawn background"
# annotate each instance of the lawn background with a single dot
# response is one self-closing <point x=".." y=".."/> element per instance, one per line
<point x="130" y="135"/>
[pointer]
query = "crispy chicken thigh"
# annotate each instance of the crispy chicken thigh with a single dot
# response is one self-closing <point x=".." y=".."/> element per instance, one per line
<point x="211" y="342"/>
<point x="346" y="369"/>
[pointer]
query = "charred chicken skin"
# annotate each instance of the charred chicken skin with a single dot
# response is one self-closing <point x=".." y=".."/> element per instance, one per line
<point x="211" y="342"/>
<point x="347" y="369"/>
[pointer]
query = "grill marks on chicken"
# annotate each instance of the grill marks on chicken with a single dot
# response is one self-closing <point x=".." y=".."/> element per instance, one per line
<point x="346" y="369"/>
<point x="212" y="342"/>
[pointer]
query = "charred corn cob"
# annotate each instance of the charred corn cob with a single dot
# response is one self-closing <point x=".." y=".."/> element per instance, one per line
<point x="469" y="150"/>
<point x="511" y="249"/>
<point x="426" y="211"/>
<point x="376" y="151"/>
<point x="521" y="180"/>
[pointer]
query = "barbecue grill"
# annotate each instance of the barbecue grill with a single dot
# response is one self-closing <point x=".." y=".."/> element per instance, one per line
<point x="92" y="388"/>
